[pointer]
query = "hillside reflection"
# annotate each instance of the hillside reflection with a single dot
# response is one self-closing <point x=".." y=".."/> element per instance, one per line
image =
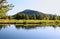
<point x="33" y="26"/>
<point x="26" y="26"/>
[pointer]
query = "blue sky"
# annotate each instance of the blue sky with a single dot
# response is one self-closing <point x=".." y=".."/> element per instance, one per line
<point x="45" y="6"/>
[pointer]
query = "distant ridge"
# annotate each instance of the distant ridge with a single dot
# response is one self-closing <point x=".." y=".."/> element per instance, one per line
<point x="32" y="14"/>
<point x="28" y="11"/>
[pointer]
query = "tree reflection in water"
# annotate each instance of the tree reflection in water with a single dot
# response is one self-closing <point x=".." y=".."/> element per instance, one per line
<point x="26" y="26"/>
<point x="0" y="27"/>
<point x="33" y="26"/>
<point x="3" y="26"/>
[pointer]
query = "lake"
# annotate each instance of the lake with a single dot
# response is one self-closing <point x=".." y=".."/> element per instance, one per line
<point x="29" y="32"/>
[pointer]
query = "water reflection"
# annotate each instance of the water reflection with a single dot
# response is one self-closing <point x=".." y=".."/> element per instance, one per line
<point x="32" y="31"/>
<point x="2" y="26"/>
<point x="33" y="26"/>
<point x="27" y="26"/>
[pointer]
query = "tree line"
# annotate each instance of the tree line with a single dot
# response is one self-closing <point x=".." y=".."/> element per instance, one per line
<point x="36" y="17"/>
<point x="32" y="17"/>
<point x="5" y="7"/>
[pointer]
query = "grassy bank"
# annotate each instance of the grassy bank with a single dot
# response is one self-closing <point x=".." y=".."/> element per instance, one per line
<point x="30" y="22"/>
<point x="13" y="21"/>
<point x="27" y="21"/>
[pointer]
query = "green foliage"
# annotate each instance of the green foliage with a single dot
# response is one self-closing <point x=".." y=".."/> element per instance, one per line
<point x="36" y="17"/>
<point x="4" y="8"/>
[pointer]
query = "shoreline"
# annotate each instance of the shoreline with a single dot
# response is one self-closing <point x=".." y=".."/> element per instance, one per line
<point x="30" y="22"/>
<point x="27" y="21"/>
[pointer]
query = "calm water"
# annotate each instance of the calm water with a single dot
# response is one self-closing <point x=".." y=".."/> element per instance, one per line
<point x="21" y="32"/>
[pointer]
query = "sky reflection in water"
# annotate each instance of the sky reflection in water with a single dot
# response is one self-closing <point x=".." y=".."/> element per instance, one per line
<point x="13" y="32"/>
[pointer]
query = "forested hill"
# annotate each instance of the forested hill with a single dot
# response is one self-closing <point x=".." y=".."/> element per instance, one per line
<point x="32" y="14"/>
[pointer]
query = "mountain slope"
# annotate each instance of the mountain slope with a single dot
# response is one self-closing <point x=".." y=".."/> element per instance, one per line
<point x="32" y="14"/>
<point x="28" y="11"/>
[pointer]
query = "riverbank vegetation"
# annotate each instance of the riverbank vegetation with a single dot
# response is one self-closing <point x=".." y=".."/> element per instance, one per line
<point x="26" y="16"/>
<point x="21" y="22"/>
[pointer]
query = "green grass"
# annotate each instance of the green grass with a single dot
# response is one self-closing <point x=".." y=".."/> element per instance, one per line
<point x="30" y="22"/>
<point x="13" y="20"/>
